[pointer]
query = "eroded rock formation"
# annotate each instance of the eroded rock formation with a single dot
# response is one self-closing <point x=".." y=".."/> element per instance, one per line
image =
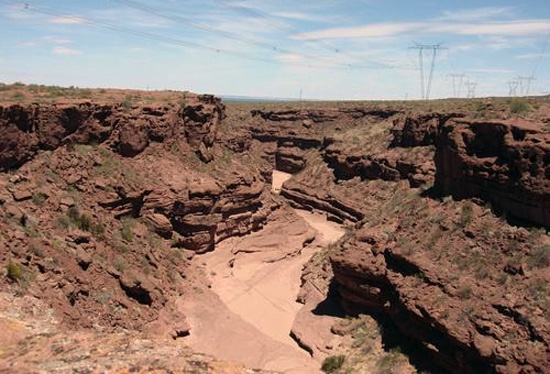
<point x="504" y="163"/>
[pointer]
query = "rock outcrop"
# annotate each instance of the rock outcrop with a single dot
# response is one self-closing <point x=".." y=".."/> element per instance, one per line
<point x="466" y="320"/>
<point x="27" y="129"/>
<point x="108" y="203"/>
<point x="505" y="163"/>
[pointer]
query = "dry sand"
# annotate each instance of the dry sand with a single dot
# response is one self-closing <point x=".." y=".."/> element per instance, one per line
<point x="247" y="313"/>
<point x="279" y="178"/>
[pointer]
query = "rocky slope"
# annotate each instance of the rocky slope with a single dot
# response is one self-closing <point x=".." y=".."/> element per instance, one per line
<point x="464" y="287"/>
<point x="103" y="205"/>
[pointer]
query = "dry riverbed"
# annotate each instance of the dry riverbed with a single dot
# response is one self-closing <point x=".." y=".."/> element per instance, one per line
<point x="245" y="306"/>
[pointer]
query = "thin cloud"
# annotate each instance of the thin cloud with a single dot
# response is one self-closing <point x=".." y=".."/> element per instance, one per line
<point x="531" y="56"/>
<point x="49" y="39"/>
<point x="377" y="30"/>
<point x="67" y="20"/>
<point x="477" y="14"/>
<point x="132" y="18"/>
<point x="290" y="57"/>
<point x="58" y="50"/>
<point x="56" y="39"/>
<point x="491" y="71"/>
<point x="298" y="16"/>
<point x="513" y="28"/>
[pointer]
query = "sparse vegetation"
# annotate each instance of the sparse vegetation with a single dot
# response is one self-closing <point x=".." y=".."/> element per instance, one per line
<point x="519" y="106"/>
<point x="389" y="363"/>
<point x="465" y="291"/>
<point x="74" y="219"/>
<point x="15" y="271"/>
<point x="471" y="257"/>
<point x="540" y="258"/>
<point x="119" y="264"/>
<point x="332" y="364"/>
<point x="466" y="213"/>
<point x="39" y="198"/>
<point x="127" y="231"/>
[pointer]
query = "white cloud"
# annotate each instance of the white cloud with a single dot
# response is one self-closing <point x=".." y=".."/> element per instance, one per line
<point x="56" y="39"/>
<point x="376" y="30"/>
<point x="49" y="39"/>
<point x="300" y="16"/>
<point x="289" y="57"/>
<point x="477" y="14"/>
<point x="67" y="20"/>
<point x="58" y="50"/>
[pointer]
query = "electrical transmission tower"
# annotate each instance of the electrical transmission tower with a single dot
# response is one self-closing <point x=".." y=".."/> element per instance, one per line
<point x="421" y="48"/>
<point x="457" y="88"/>
<point x="471" y="89"/>
<point x="513" y="87"/>
<point x="525" y="84"/>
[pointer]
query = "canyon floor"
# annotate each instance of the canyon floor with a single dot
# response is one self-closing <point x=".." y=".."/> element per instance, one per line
<point x="171" y="232"/>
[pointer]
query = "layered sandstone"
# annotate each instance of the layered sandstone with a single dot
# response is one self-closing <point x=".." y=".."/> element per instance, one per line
<point x="506" y="163"/>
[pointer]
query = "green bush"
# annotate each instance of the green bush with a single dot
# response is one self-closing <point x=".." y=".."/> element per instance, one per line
<point x="39" y="198"/>
<point x="127" y="231"/>
<point x="466" y="213"/>
<point x="73" y="218"/>
<point x="15" y="272"/>
<point x="519" y="106"/>
<point x="332" y="364"/>
<point x="540" y="258"/>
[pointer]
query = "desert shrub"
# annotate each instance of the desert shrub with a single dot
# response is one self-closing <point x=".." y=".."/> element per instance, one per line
<point x="466" y="213"/>
<point x="85" y="93"/>
<point x="73" y="213"/>
<point x="519" y="106"/>
<point x="82" y="221"/>
<point x="540" y="258"/>
<point x="389" y="361"/>
<point x="465" y="292"/>
<point x="85" y="222"/>
<point x="119" y="264"/>
<point x="64" y="221"/>
<point x="127" y="231"/>
<point x="15" y="272"/>
<point x="127" y="102"/>
<point x="18" y="96"/>
<point x="98" y="230"/>
<point x="332" y="364"/>
<point x="39" y="198"/>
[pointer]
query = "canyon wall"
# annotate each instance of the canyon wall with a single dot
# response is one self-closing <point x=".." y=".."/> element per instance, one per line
<point x="102" y="205"/>
<point x="460" y="285"/>
<point x="505" y="163"/>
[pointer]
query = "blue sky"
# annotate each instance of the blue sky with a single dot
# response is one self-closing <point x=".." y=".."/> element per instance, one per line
<point x="322" y="49"/>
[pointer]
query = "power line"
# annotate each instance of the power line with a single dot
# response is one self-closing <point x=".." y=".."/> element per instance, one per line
<point x="471" y="89"/>
<point x="207" y="28"/>
<point x="457" y="88"/>
<point x="421" y="48"/>
<point x="513" y="87"/>
<point x="524" y="84"/>
<point x="166" y="39"/>
<point x="267" y="19"/>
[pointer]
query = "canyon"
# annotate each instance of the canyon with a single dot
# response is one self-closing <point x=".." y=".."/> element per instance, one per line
<point x="275" y="237"/>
